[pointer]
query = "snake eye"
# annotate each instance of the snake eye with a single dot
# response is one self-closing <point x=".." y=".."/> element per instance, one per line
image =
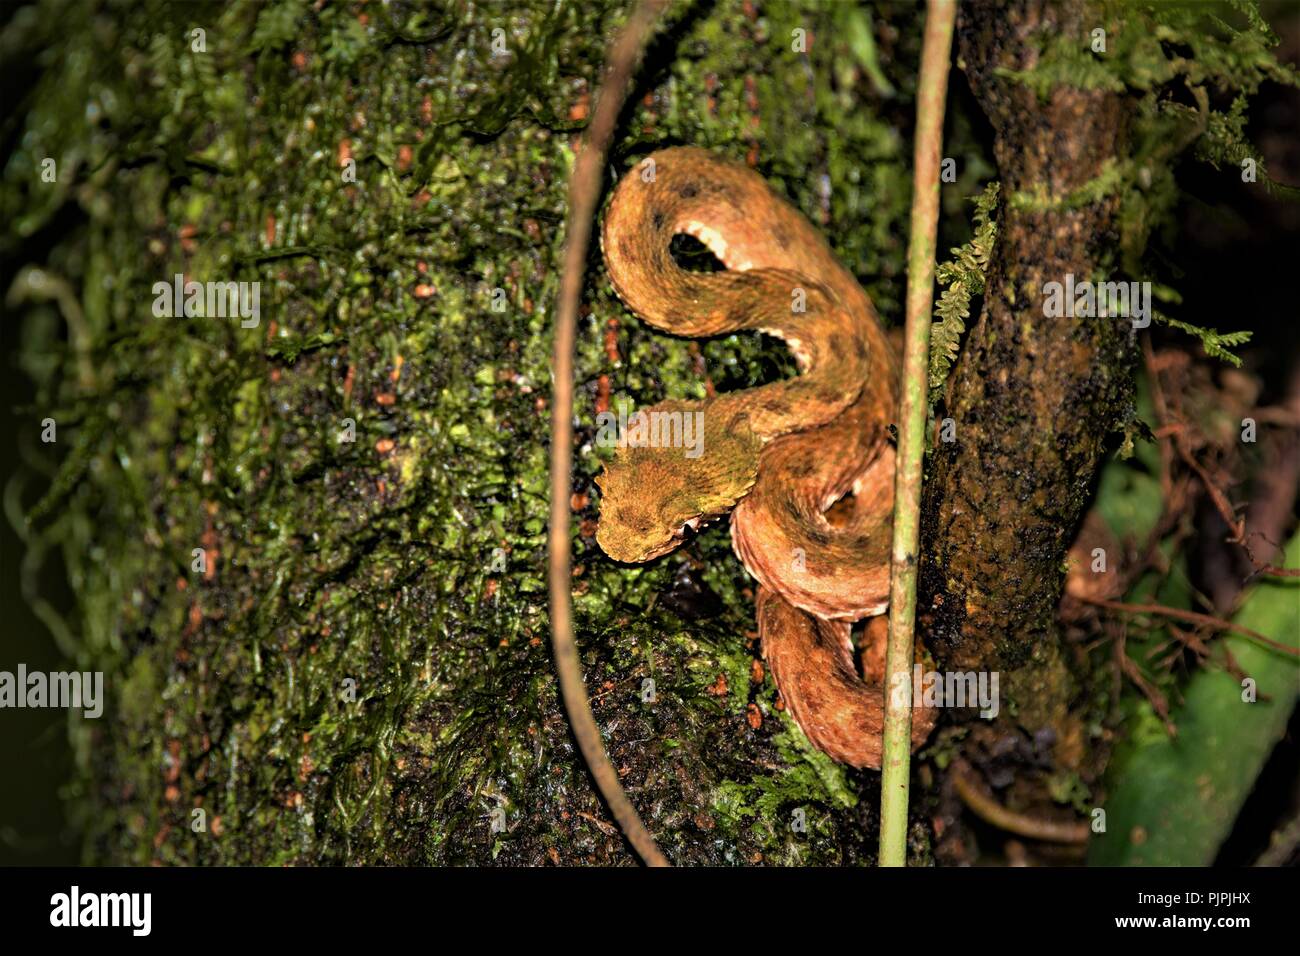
<point x="635" y="519"/>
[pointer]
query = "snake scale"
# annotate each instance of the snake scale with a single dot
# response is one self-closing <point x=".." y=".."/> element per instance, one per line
<point x="803" y="465"/>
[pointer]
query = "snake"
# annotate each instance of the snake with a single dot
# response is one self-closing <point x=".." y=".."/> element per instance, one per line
<point x="804" y="466"/>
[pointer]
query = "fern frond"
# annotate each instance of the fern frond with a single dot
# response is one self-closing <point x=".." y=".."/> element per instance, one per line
<point x="1215" y="343"/>
<point x="963" y="275"/>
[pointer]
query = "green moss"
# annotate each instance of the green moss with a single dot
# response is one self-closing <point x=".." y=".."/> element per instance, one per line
<point x="1190" y="69"/>
<point x="364" y="676"/>
<point x="963" y="278"/>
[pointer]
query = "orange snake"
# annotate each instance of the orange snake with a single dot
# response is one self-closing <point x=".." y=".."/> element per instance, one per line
<point x="779" y="456"/>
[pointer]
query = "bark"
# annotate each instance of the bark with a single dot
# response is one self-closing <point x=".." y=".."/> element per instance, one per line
<point x="1034" y="398"/>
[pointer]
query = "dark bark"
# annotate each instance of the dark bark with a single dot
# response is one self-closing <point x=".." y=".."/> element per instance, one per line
<point x="1033" y="398"/>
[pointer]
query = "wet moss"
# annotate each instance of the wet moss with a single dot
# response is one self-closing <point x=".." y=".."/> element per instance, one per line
<point x="362" y="672"/>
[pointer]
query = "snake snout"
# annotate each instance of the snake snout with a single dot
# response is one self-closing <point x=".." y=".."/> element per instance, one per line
<point x="628" y="533"/>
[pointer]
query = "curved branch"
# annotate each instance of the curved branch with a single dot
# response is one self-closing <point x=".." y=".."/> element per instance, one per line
<point x="984" y="806"/>
<point x="584" y="191"/>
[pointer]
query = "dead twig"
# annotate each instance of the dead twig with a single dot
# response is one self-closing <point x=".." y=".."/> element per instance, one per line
<point x="984" y="806"/>
<point x="1191" y="617"/>
<point x="584" y="191"/>
<point x="1159" y="703"/>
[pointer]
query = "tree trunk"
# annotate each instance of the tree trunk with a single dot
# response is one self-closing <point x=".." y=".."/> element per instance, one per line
<point x="1034" y="398"/>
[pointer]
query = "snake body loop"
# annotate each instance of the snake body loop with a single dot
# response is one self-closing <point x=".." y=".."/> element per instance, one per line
<point x="778" y="457"/>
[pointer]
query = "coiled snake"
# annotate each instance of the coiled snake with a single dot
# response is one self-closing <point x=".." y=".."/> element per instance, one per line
<point x="779" y="456"/>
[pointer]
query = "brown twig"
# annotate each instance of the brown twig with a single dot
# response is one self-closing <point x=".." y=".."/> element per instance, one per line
<point x="1162" y="415"/>
<point x="1221" y="503"/>
<point x="984" y="806"/>
<point x="1127" y="667"/>
<point x="1173" y="437"/>
<point x="584" y="191"/>
<point x="1191" y="617"/>
<point x="1173" y="492"/>
<point x="1273" y="571"/>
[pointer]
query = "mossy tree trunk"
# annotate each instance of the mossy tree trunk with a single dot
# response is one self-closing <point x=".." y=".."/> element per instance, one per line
<point x="1035" y="399"/>
<point x="358" y="671"/>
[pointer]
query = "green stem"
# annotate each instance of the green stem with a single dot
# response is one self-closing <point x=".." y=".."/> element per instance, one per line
<point x="933" y="89"/>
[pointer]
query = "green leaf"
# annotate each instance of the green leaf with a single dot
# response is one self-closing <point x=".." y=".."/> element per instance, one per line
<point x="862" y="43"/>
<point x="1175" y="801"/>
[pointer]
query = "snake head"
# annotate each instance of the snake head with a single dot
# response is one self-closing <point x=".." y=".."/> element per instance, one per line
<point x="650" y="496"/>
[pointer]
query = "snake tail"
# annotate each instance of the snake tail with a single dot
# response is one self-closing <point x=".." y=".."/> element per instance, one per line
<point x="811" y="659"/>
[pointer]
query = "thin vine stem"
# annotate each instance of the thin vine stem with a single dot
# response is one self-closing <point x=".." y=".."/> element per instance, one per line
<point x="584" y="191"/>
<point x="931" y="94"/>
